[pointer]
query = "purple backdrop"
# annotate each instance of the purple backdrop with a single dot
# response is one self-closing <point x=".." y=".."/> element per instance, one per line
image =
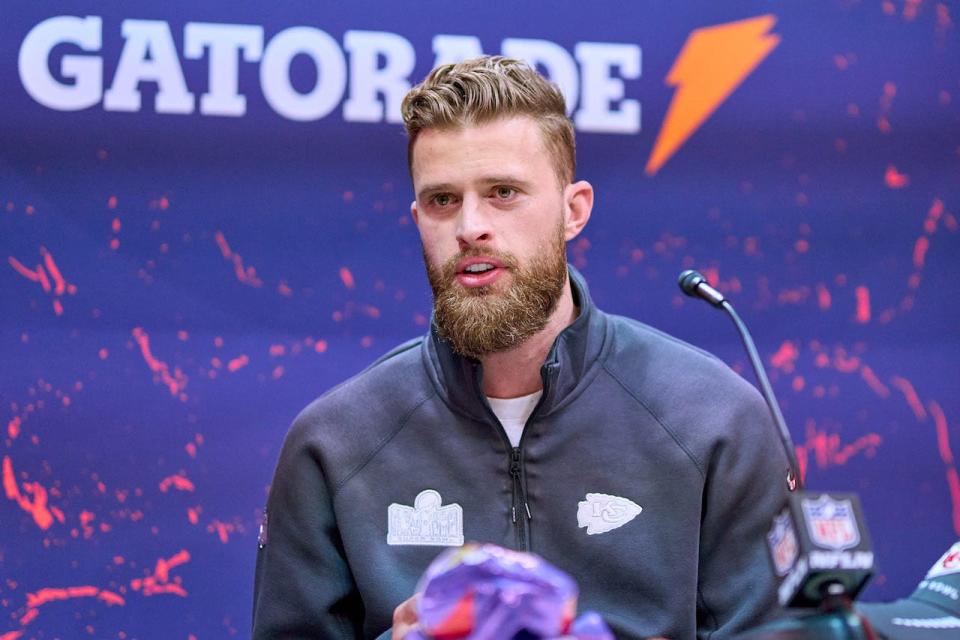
<point x="183" y="271"/>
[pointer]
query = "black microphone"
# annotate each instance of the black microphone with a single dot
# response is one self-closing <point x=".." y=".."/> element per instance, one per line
<point x="696" y="286"/>
<point x="818" y="543"/>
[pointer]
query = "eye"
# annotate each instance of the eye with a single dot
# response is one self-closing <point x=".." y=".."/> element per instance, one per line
<point x="505" y="193"/>
<point x="442" y="199"/>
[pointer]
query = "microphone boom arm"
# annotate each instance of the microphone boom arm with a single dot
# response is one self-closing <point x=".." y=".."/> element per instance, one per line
<point x="794" y="482"/>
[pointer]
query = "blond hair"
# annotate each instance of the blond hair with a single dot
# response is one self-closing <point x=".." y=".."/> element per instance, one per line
<point x="487" y="88"/>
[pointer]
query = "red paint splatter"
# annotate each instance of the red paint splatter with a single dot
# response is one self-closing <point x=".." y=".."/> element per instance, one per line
<point x="179" y="482"/>
<point x="159" y="581"/>
<point x="222" y="529"/>
<point x="793" y="296"/>
<point x="910" y="9"/>
<point x="86" y="517"/>
<point x="920" y="251"/>
<point x="346" y="277"/>
<point x="933" y="216"/>
<point x="60" y="285"/>
<point x="943" y="436"/>
<point x="29" y="616"/>
<point x="238" y="363"/>
<point x="910" y="395"/>
<point x="11" y="635"/>
<point x="874" y="382"/>
<point x="277" y="350"/>
<point x="39" y="275"/>
<point x="43" y="596"/>
<point x="175" y="382"/>
<point x="13" y="427"/>
<point x="284" y="289"/>
<point x="712" y="274"/>
<point x="863" y="304"/>
<point x="47" y="595"/>
<point x="844" y="363"/>
<point x="43" y="515"/>
<point x="786" y="357"/>
<point x="823" y="297"/>
<point x="828" y="451"/>
<point x="246" y="275"/>
<point x="894" y="179"/>
<point x="578" y="251"/>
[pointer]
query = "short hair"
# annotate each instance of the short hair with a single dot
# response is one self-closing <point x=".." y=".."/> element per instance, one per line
<point x="484" y="89"/>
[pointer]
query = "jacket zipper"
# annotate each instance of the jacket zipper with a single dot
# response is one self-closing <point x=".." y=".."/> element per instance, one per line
<point x="520" y="510"/>
<point x="520" y="514"/>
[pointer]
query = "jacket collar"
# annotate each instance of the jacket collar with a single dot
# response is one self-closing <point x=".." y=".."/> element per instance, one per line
<point x="566" y="367"/>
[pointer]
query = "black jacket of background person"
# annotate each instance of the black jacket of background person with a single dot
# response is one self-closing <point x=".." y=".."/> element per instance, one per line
<point x="626" y="411"/>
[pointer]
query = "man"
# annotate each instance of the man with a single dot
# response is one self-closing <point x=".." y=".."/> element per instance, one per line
<point x="526" y="417"/>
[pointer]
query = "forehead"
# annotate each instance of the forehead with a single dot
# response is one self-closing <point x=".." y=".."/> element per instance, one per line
<point x="511" y="146"/>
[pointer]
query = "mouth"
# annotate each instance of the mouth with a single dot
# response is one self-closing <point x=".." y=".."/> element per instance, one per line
<point x="479" y="271"/>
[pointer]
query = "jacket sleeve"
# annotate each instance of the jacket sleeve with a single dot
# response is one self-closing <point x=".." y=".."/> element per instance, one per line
<point x="745" y="488"/>
<point x="303" y="586"/>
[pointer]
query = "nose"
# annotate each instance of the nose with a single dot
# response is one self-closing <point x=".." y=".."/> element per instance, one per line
<point x="474" y="223"/>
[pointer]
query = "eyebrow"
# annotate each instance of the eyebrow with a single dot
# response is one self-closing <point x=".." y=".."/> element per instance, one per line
<point x="440" y="187"/>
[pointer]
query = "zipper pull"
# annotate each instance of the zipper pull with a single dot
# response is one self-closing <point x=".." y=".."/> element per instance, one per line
<point x="518" y="484"/>
<point x="515" y="464"/>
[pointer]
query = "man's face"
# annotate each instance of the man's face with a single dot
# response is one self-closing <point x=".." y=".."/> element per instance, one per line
<point x="490" y="211"/>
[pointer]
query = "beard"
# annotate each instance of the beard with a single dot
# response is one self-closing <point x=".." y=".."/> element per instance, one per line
<point x="483" y="320"/>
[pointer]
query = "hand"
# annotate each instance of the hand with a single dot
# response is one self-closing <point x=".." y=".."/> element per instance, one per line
<point x="405" y="618"/>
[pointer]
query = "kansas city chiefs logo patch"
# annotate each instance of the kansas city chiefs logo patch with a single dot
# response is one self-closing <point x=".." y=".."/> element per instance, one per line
<point x="601" y="512"/>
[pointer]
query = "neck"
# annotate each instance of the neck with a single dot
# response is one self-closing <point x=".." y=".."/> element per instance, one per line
<point x="514" y="373"/>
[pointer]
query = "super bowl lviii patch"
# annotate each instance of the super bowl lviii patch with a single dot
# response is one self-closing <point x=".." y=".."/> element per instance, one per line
<point x="427" y="522"/>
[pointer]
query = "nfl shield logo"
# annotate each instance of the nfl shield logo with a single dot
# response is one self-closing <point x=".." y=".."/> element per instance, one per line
<point x="783" y="543"/>
<point x="831" y="523"/>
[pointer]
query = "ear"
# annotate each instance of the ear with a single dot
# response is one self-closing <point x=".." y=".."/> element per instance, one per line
<point x="578" y="203"/>
<point x="414" y="214"/>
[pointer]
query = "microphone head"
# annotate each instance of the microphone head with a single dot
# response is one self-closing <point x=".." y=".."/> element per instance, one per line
<point x="689" y="280"/>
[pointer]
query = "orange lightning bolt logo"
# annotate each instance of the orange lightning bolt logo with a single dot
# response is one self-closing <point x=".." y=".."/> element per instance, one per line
<point x="711" y="65"/>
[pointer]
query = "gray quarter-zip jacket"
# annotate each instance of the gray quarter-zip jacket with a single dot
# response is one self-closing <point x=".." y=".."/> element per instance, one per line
<point x="629" y="416"/>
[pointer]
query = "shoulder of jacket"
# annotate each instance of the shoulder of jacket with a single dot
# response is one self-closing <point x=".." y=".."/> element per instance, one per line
<point x="689" y="390"/>
<point x="360" y="411"/>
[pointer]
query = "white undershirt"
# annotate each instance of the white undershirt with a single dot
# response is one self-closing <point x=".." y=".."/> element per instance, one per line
<point x="513" y="413"/>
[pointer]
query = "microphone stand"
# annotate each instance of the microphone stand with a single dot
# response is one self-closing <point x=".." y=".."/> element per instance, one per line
<point x="794" y="482"/>
<point x="836" y="618"/>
